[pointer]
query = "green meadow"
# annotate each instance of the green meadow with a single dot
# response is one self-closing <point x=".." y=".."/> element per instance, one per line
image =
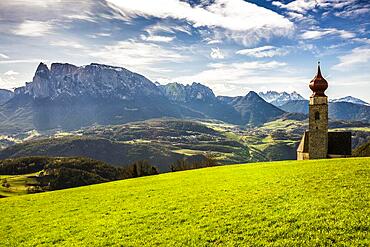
<point x="290" y="203"/>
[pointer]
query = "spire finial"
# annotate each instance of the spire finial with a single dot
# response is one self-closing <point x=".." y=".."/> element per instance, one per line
<point x="318" y="69"/>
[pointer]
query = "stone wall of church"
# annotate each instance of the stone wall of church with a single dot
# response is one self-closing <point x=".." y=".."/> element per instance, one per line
<point x="318" y="127"/>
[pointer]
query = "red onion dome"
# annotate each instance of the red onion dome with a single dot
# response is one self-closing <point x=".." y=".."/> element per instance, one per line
<point x="318" y="84"/>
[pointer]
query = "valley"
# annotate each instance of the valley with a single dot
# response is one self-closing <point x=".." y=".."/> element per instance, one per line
<point x="162" y="142"/>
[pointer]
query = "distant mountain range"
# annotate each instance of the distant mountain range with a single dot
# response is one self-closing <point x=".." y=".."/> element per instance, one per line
<point x="279" y="99"/>
<point x="337" y="110"/>
<point x="350" y="99"/>
<point x="70" y="97"/>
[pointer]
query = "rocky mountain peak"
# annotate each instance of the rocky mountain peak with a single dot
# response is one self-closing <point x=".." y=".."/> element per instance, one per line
<point x="253" y="97"/>
<point x="97" y="80"/>
<point x="198" y="91"/>
<point x="42" y="71"/>
<point x="188" y="93"/>
<point x="62" y="69"/>
<point x="41" y="82"/>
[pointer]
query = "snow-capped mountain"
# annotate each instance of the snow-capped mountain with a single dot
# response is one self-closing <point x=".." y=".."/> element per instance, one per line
<point x="280" y="98"/>
<point x="350" y="99"/>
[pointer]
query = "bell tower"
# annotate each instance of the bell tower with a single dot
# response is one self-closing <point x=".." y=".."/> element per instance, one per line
<point x="318" y="117"/>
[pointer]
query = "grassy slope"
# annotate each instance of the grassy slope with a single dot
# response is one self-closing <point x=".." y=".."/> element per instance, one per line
<point x="293" y="203"/>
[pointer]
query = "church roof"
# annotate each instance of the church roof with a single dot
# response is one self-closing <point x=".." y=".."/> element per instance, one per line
<point x="318" y="84"/>
<point x="303" y="145"/>
<point x="339" y="143"/>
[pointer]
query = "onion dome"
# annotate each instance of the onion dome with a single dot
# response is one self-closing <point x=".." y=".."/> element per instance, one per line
<point x="318" y="84"/>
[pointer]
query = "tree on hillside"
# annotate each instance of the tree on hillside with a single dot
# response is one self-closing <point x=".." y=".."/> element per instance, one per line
<point x="207" y="160"/>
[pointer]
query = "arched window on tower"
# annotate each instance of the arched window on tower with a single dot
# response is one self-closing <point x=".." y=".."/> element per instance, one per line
<point x="317" y="115"/>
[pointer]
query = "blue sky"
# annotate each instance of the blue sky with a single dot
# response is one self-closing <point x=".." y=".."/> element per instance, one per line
<point x="232" y="46"/>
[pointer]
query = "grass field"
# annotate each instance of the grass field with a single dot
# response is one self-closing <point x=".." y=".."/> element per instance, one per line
<point x="292" y="203"/>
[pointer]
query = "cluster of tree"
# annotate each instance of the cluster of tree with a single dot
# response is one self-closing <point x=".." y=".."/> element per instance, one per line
<point x="67" y="172"/>
<point x="200" y="161"/>
<point x="18" y="166"/>
<point x="62" y="173"/>
<point x="139" y="168"/>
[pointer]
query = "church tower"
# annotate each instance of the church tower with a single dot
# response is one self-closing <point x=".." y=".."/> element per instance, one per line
<point x="317" y="142"/>
<point x="318" y="118"/>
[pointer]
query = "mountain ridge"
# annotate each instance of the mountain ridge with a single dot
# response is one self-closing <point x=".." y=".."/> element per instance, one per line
<point x="280" y="98"/>
<point x="350" y="99"/>
<point x="337" y="110"/>
<point x="69" y="97"/>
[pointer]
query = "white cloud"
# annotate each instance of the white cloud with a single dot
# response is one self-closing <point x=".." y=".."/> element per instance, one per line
<point x="303" y="6"/>
<point x="97" y="35"/>
<point x="234" y="72"/>
<point x="305" y="11"/>
<point x="264" y="51"/>
<point x="157" y="38"/>
<point x="239" y="78"/>
<point x="248" y="66"/>
<point x="362" y="40"/>
<point x="156" y="32"/>
<point x="216" y="53"/>
<point x="300" y="6"/>
<point x="240" y="18"/>
<point x="358" y="56"/>
<point x="103" y="34"/>
<point x="164" y="27"/>
<point x="39" y="3"/>
<point x="317" y="34"/>
<point x="84" y="16"/>
<point x="22" y="61"/>
<point x="353" y="13"/>
<point x="33" y="28"/>
<point x="11" y="73"/>
<point x="8" y="82"/>
<point x="67" y="43"/>
<point x="3" y="56"/>
<point x="139" y="54"/>
<point x="214" y="41"/>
